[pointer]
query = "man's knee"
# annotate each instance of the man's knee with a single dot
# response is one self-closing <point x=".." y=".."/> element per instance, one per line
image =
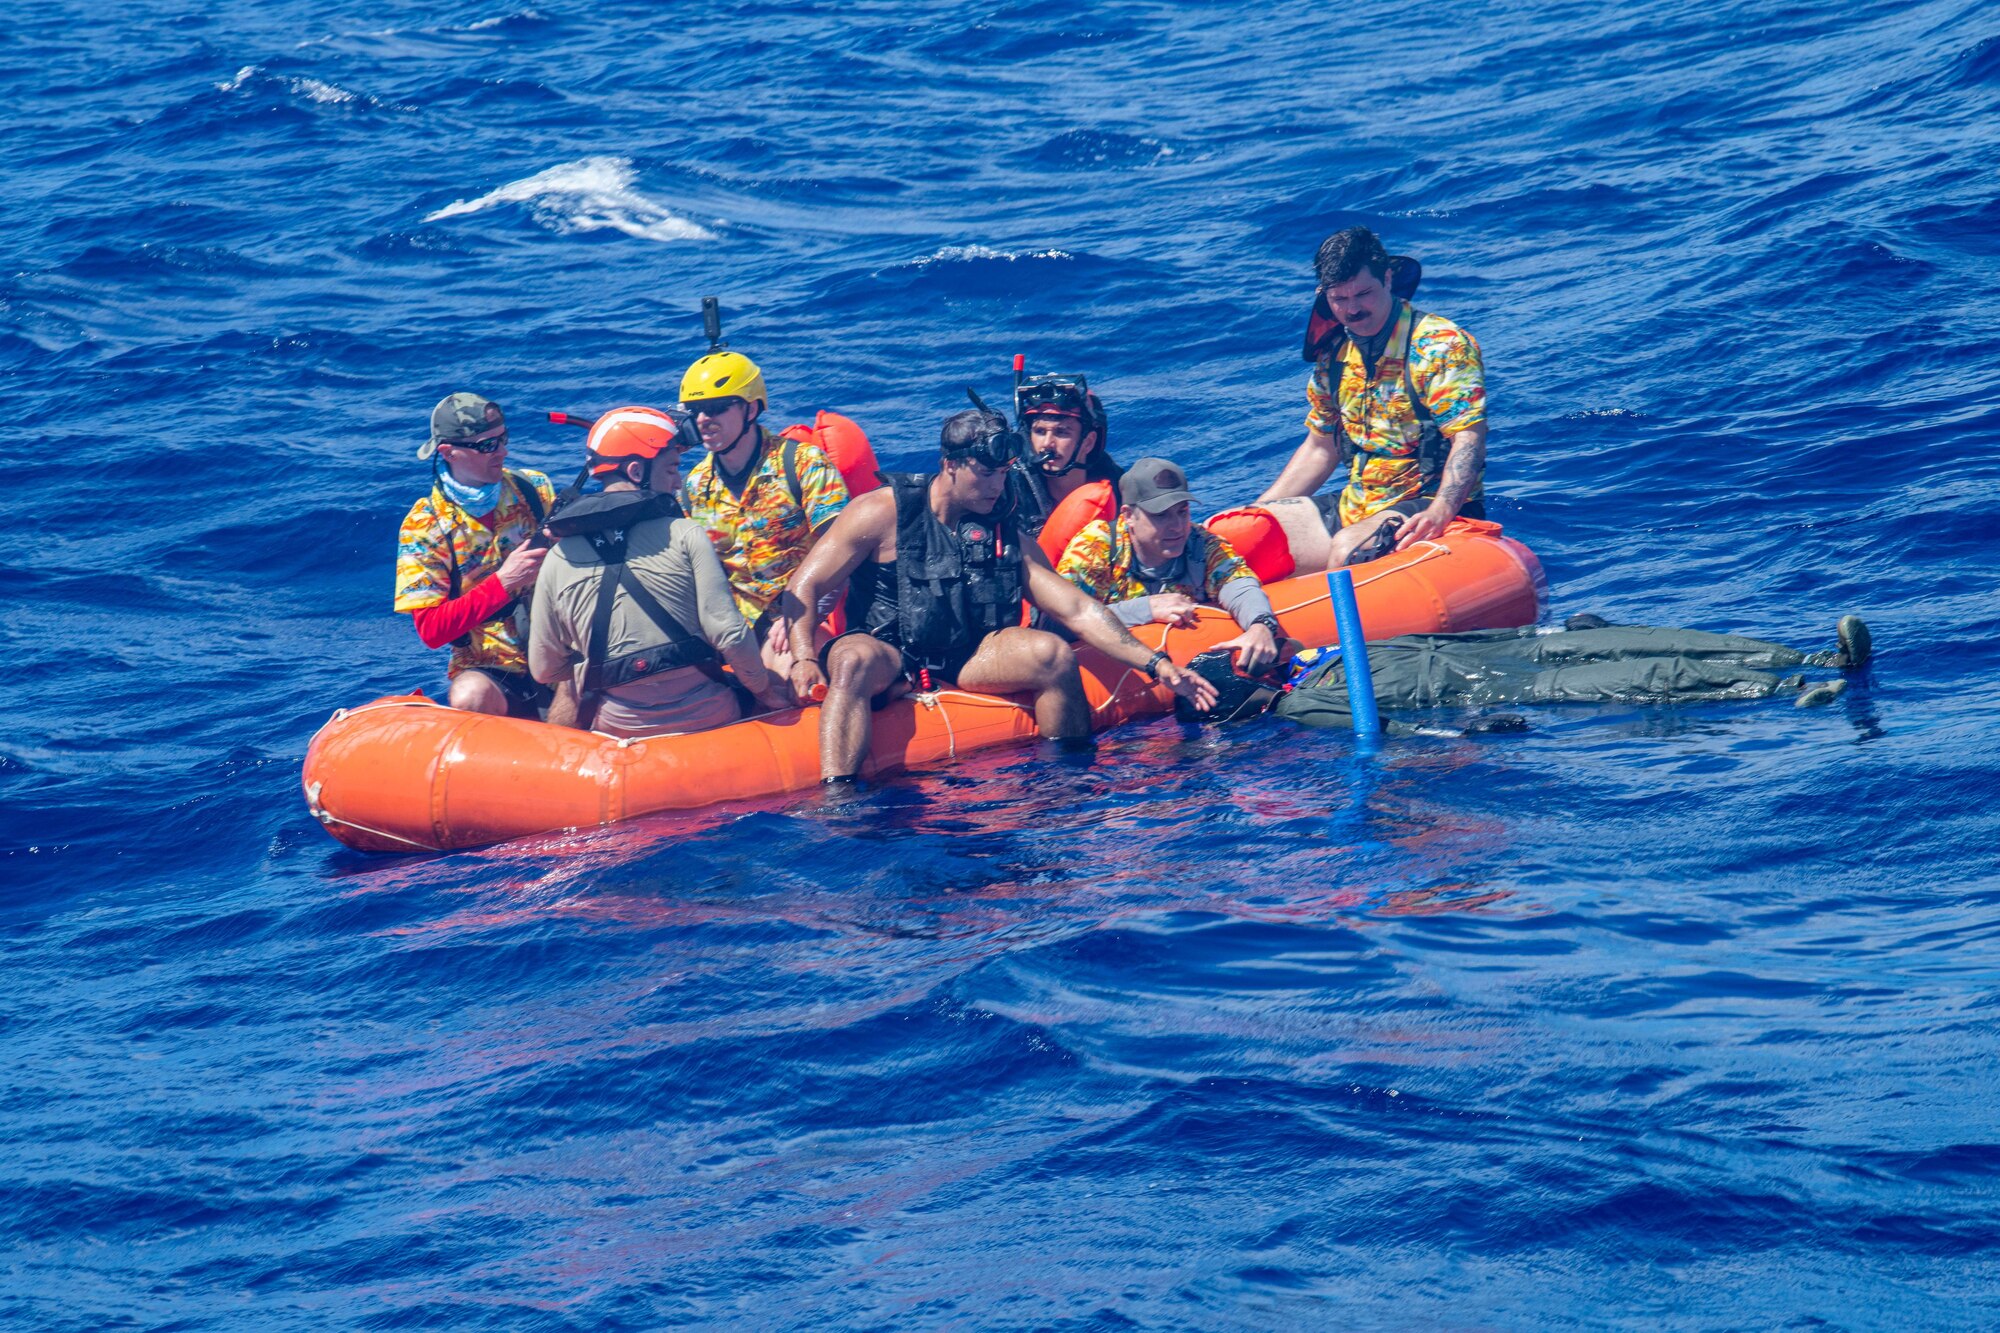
<point x="861" y="665"/>
<point x="474" y="692"/>
<point x="1051" y="659"/>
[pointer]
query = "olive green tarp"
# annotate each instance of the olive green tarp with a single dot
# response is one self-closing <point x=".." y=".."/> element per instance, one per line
<point x="1618" y="664"/>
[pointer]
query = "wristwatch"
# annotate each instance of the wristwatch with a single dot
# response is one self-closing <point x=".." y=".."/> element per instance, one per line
<point x="1153" y="664"/>
<point x="1270" y="622"/>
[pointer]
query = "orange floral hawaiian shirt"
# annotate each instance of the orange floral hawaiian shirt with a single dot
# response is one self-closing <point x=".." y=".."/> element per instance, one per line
<point x="1374" y="414"/>
<point x="1100" y="560"/>
<point x="762" y="535"/>
<point x="436" y="533"/>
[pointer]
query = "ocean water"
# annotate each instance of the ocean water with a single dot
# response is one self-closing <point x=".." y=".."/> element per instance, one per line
<point x="1650" y="1017"/>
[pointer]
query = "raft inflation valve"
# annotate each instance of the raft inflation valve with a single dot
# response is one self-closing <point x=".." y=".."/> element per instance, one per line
<point x="1360" y="681"/>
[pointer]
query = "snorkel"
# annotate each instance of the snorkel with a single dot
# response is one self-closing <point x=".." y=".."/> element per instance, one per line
<point x="1055" y="395"/>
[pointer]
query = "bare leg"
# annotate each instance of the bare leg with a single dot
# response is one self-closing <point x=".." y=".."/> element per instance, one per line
<point x="858" y="669"/>
<point x="1015" y="661"/>
<point x="1305" y="533"/>
<point x="563" y="711"/>
<point x="475" y="692"/>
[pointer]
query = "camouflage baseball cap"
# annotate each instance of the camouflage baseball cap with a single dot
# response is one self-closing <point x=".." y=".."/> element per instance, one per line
<point x="460" y="416"/>
<point x="1154" y="485"/>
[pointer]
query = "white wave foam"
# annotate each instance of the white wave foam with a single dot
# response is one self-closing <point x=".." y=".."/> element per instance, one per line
<point x="316" y="90"/>
<point x="320" y="92"/>
<point x="955" y="254"/>
<point x="498" y="19"/>
<point x="589" y="194"/>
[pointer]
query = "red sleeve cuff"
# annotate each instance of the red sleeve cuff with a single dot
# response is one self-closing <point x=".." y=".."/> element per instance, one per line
<point x="439" y="625"/>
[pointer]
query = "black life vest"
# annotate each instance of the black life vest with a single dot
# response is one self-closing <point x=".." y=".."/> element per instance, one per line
<point x="954" y="586"/>
<point x="605" y="521"/>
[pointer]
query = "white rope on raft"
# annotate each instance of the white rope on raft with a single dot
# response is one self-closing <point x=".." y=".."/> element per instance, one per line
<point x="326" y="816"/>
<point x="935" y="703"/>
<point x="1433" y="551"/>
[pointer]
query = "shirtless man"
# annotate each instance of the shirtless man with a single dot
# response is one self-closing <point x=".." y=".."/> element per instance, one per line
<point x="937" y="576"/>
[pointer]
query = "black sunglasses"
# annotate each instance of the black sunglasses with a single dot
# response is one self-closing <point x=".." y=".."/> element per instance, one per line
<point x="492" y="446"/>
<point x="712" y="407"/>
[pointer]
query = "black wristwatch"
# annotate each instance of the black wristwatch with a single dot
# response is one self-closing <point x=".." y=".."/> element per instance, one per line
<point x="1153" y="664"/>
<point x="1270" y="622"/>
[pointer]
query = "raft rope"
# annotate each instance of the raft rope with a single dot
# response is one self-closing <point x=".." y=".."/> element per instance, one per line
<point x="932" y="699"/>
<point x="326" y="816"/>
<point x="1433" y="551"/>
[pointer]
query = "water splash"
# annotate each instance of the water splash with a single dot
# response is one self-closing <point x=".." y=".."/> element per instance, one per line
<point x="313" y="90"/>
<point x="961" y="254"/>
<point x="589" y="194"/>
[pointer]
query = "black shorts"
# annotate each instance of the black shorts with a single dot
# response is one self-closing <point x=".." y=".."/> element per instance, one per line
<point x="943" y="672"/>
<point x="526" y="696"/>
<point x="1328" y="504"/>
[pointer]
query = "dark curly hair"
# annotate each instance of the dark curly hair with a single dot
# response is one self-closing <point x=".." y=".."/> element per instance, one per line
<point x="1345" y="253"/>
<point x="964" y="429"/>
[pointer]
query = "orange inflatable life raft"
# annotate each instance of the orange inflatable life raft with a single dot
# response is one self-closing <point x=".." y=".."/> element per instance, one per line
<point x="406" y="774"/>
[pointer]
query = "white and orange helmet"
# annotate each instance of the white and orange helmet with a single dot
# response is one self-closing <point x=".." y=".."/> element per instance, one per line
<point x="627" y="433"/>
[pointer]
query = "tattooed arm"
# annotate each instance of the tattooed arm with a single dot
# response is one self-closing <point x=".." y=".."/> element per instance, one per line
<point x="1461" y="473"/>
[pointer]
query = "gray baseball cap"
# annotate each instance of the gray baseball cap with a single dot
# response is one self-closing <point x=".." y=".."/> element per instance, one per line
<point x="1154" y="485"/>
<point x="460" y="416"/>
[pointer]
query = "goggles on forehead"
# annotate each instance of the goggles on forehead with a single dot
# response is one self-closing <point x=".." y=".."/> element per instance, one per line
<point x="1052" y="395"/>
<point x="994" y="449"/>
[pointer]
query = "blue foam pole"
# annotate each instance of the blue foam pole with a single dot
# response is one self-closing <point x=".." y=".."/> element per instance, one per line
<point x="1354" y="649"/>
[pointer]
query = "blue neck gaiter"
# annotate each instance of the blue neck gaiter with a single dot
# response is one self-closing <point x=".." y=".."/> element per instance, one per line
<point x="473" y="500"/>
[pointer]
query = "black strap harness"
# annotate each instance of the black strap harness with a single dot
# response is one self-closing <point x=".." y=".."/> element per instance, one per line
<point x="534" y="499"/>
<point x="956" y="585"/>
<point x="1432" y="447"/>
<point x="606" y="522"/>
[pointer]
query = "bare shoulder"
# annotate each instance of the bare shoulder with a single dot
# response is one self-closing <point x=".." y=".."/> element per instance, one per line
<point x="873" y="513"/>
<point x="865" y="529"/>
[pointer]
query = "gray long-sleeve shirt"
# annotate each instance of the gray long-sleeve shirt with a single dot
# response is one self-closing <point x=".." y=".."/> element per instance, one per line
<point x="1243" y="599"/>
<point x="673" y="559"/>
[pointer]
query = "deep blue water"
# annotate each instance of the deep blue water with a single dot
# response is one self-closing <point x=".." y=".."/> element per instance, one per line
<point x="1680" y="1017"/>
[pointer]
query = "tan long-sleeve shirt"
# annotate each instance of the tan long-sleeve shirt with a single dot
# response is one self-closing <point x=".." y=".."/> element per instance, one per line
<point x="673" y="559"/>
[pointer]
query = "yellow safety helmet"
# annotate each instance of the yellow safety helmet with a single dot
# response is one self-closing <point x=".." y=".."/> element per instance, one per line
<point x="724" y="375"/>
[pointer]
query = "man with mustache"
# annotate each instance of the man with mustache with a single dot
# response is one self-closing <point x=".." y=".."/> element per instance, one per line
<point x="1399" y="395"/>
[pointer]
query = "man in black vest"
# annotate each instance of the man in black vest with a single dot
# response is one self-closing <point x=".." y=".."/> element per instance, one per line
<point x="937" y="575"/>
